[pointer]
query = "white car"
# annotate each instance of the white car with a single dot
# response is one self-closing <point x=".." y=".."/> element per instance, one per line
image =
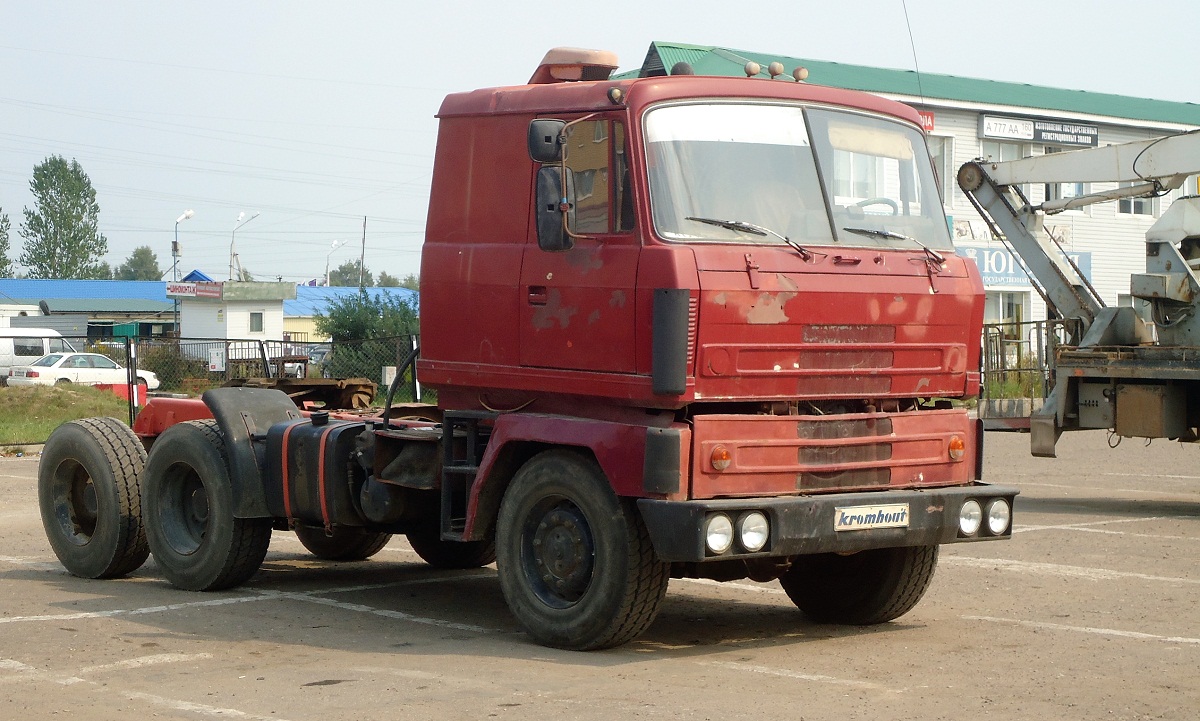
<point x="87" y="369"/>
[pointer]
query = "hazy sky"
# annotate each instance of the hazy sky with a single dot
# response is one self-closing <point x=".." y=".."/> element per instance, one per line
<point x="314" y="114"/>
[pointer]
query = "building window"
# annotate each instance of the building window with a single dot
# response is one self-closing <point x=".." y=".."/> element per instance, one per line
<point x="1135" y="206"/>
<point x="1002" y="152"/>
<point x="1062" y="191"/>
<point x="256" y="322"/>
<point x="941" y="150"/>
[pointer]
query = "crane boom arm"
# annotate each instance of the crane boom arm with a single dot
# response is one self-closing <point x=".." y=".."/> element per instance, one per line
<point x="1168" y="160"/>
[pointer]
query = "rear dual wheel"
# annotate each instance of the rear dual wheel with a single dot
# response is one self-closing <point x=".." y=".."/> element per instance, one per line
<point x="193" y="534"/>
<point x="89" y="493"/>
<point x="345" y="543"/>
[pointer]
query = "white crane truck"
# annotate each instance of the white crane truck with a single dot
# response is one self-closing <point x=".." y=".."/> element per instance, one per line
<point x="1136" y="374"/>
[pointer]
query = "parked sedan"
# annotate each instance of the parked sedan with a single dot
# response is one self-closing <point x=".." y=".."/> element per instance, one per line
<point x="87" y="369"/>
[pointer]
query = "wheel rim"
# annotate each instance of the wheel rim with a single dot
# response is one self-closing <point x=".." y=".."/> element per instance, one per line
<point x="75" y="505"/>
<point x="558" y="552"/>
<point x="184" y="509"/>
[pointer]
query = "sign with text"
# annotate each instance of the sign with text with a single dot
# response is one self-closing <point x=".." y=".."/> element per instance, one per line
<point x="999" y="268"/>
<point x="194" y="290"/>
<point x="927" y="119"/>
<point x="1039" y="130"/>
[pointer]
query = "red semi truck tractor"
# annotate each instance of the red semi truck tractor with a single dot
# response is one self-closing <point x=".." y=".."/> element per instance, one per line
<point x="679" y="326"/>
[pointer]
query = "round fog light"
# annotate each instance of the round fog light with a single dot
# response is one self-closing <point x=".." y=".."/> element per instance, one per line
<point x="718" y="533"/>
<point x="999" y="515"/>
<point x="753" y="531"/>
<point x="970" y="518"/>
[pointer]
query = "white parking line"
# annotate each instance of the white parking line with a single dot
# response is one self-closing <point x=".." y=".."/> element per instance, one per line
<point x="1057" y="569"/>
<point x="25" y="672"/>
<point x="134" y="611"/>
<point x="1086" y="629"/>
<point x="140" y="661"/>
<point x="32" y="563"/>
<point x="1087" y="524"/>
<point x="818" y="678"/>
<point x="387" y="613"/>
<point x="198" y="708"/>
<point x="1100" y="489"/>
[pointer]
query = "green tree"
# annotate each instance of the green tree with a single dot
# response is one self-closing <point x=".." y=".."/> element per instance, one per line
<point x="346" y="275"/>
<point x="142" y="264"/>
<point x="62" y="236"/>
<point x="387" y="280"/>
<point x="6" y="266"/>
<point x="367" y="333"/>
<point x="358" y="317"/>
<point x="102" y="272"/>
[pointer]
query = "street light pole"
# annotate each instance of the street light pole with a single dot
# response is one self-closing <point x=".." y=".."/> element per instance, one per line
<point x="233" y="258"/>
<point x="186" y="215"/>
<point x="336" y="244"/>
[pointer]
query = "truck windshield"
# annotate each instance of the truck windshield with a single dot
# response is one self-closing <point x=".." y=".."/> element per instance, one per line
<point x="758" y="164"/>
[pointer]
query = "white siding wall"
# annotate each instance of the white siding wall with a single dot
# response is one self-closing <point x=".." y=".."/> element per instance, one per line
<point x="1115" y="240"/>
<point x="200" y="319"/>
<point x="238" y="319"/>
<point x="216" y="319"/>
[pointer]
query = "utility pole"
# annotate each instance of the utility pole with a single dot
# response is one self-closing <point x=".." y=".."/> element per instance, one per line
<point x="362" y="257"/>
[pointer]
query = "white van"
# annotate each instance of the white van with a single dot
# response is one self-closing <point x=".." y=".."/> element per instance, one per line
<point x="22" y="346"/>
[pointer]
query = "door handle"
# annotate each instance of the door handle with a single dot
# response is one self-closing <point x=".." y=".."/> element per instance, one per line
<point x="537" y="295"/>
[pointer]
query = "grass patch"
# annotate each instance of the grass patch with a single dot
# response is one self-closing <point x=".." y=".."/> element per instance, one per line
<point x="29" y="414"/>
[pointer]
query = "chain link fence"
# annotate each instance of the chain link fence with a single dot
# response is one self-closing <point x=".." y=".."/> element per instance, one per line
<point x="190" y="366"/>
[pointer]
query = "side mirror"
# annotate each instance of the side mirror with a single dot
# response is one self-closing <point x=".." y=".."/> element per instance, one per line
<point x="544" y="146"/>
<point x="552" y="234"/>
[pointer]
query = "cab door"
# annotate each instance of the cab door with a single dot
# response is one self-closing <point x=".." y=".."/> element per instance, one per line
<point x="577" y="305"/>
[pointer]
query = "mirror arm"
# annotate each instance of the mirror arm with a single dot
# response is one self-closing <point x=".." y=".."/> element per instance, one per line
<point x="564" y="207"/>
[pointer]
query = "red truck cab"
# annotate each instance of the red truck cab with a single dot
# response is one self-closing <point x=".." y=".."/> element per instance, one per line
<point x="737" y="299"/>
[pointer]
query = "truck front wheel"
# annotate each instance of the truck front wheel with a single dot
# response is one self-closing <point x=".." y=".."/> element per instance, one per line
<point x="89" y="492"/>
<point x="194" y="537"/>
<point x="861" y="588"/>
<point x="575" y="562"/>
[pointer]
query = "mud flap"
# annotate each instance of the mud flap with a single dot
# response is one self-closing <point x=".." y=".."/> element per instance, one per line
<point x="244" y="415"/>
<point x="1045" y="424"/>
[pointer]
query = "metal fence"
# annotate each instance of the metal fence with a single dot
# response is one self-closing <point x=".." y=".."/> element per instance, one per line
<point x="190" y="366"/>
<point x="1018" y="369"/>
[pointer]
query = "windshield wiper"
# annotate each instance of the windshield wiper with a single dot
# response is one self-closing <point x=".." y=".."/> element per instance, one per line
<point x="743" y="226"/>
<point x="933" y="254"/>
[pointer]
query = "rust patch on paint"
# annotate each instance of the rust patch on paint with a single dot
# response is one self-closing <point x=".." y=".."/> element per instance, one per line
<point x="617" y="299"/>
<point x="768" y="309"/>
<point x="593" y="317"/>
<point x="584" y="259"/>
<point x="545" y="316"/>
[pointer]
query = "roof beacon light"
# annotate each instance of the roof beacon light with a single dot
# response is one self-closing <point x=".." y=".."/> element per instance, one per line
<point x="775" y="69"/>
<point x="752" y="68"/>
<point x="563" y="65"/>
<point x="800" y="74"/>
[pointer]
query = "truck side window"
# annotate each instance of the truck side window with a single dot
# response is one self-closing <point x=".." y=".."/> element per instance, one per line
<point x="588" y="161"/>
<point x="623" y="195"/>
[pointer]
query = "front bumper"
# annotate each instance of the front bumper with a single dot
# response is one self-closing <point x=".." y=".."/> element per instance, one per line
<point x="802" y="525"/>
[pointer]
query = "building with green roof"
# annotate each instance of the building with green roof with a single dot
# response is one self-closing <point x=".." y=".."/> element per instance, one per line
<point x="968" y="118"/>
